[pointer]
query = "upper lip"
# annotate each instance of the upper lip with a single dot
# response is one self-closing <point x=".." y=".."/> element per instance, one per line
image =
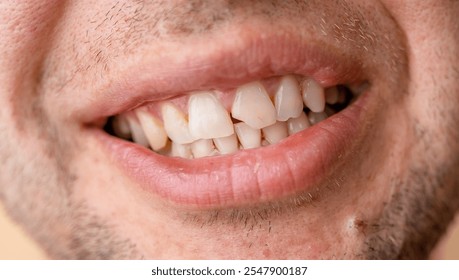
<point x="223" y="181"/>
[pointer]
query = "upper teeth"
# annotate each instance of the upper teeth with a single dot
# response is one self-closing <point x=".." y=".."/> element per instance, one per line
<point x="207" y="128"/>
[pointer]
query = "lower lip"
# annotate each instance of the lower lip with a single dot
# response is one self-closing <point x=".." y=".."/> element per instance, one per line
<point x="297" y="164"/>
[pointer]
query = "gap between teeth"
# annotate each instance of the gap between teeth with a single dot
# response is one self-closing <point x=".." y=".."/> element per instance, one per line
<point x="258" y="115"/>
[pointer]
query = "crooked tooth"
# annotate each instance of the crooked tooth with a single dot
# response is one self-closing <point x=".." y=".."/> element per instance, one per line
<point x="331" y="95"/>
<point x="253" y="106"/>
<point x="176" y="124"/>
<point x="316" y="117"/>
<point x="202" y="148"/>
<point x="121" y="127"/>
<point x="227" y="145"/>
<point x="207" y="117"/>
<point x="181" y="150"/>
<point x="276" y="132"/>
<point x="138" y="136"/>
<point x="313" y="95"/>
<point x="153" y="130"/>
<point x="287" y="101"/>
<point x="298" y="124"/>
<point x="249" y="137"/>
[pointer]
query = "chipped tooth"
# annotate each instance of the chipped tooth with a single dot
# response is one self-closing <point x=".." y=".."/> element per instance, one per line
<point x="181" y="150"/>
<point x="313" y="95"/>
<point x="202" y="148"/>
<point x="153" y="130"/>
<point x="331" y="95"/>
<point x="276" y="132"/>
<point x="227" y="145"/>
<point x="248" y="136"/>
<point x="176" y="124"/>
<point x="207" y="117"/>
<point x="253" y="106"/>
<point x="138" y="135"/>
<point x="288" y="101"/>
<point x="315" y="118"/>
<point x="298" y="124"/>
<point x="121" y="127"/>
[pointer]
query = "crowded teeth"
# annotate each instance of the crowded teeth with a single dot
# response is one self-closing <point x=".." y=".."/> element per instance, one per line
<point x="153" y="130"/>
<point x="138" y="136"/>
<point x="276" y="132"/>
<point x="248" y="136"/>
<point x="313" y="95"/>
<point x="253" y="106"/>
<point x="181" y="150"/>
<point x="227" y="145"/>
<point x="315" y="118"/>
<point x="176" y="124"/>
<point x="207" y="117"/>
<point x="202" y="148"/>
<point x="298" y="124"/>
<point x="287" y="101"/>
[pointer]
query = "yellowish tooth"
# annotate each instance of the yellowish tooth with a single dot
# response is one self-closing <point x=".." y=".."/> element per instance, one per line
<point x="176" y="124"/>
<point x="138" y="136"/>
<point x="202" y="148"/>
<point x="248" y="136"/>
<point x="287" y="101"/>
<point x="253" y="106"/>
<point x="298" y="124"/>
<point x="207" y="117"/>
<point x="276" y="132"/>
<point x="331" y="95"/>
<point x="315" y="118"/>
<point x="313" y="95"/>
<point x="181" y="150"/>
<point x="121" y="127"/>
<point x="153" y="130"/>
<point x="227" y="145"/>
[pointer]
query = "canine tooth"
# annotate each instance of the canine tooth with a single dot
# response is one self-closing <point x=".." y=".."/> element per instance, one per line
<point x="153" y="130"/>
<point x="276" y="132"/>
<point x="181" y="150"/>
<point x="298" y="124"/>
<point x="331" y="95"/>
<point x="227" y="145"/>
<point x="138" y="135"/>
<point x="202" y="148"/>
<point x="207" y="118"/>
<point x="288" y="100"/>
<point x="176" y="124"/>
<point x="253" y="106"/>
<point x="313" y="95"/>
<point x="121" y="127"/>
<point x="248" y="136"/>
<point x="316" y="117"/>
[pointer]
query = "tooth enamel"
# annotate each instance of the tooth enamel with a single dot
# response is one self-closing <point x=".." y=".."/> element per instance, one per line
<point x="153" y="130"/>
<point x="313" y="95"/>
<point x="181" y="150"/>
<point x="202" y="148"/>
<point x="207" y="117"/>
<point x="331" y="95"/>
<point x="253" y="106"/>
<point x="121" y="127"/>
<point x="248" y="137"/>
<point x="138" y="135"/>
<point x="176" y="124"/>
<point x="298" y="124"/>
<point x="276" y="132"/>
<point x="287" y="101"/>
<point x="227" y="145"/>
<point x="316" y="117"/>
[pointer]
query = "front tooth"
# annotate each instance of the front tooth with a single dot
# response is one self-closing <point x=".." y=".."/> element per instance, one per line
<point x="202" y="148"/>
<point x="248" y="136"/>
<point x="121" y="127"/>
<point x="227" y="145"/>
<point x="331" y="95"/>
<point x="298" y="124"/>
<point x="176" y="124"/>
<point x="181" y="150"/>
<point x="153" y="130"/>
<point x="313" y="95"/>
<point x="253" y="106"/>
<point x="288" y="100"/>
<point x="208" y="118"/>
<point x="316" y="117"/>
<point x="138" y="135"/>
<point x="276" y="132"/>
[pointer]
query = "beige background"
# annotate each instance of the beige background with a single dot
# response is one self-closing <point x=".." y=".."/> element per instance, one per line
<point x="14" y="244"/>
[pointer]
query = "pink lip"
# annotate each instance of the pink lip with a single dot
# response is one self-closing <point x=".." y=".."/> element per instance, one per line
<point x="295" y="165"/>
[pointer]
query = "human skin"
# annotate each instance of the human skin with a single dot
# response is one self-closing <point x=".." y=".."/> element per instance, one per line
<point x="391" y="194"/>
